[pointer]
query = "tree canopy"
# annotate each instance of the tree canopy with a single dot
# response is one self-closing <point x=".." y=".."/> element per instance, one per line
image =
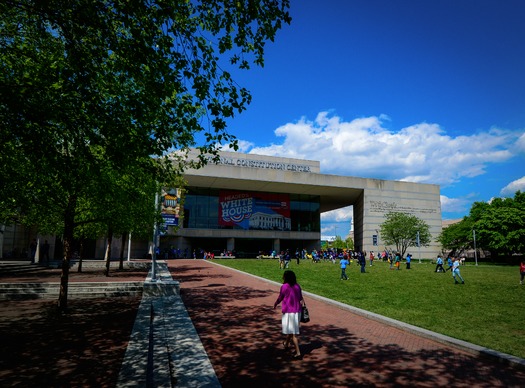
<point x="96" y="93"/>
<point x="403" y="230"/>
<point x="499" y="226"/>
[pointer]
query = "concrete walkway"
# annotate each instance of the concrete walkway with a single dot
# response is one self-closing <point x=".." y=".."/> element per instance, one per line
<point x="234" y="317"/>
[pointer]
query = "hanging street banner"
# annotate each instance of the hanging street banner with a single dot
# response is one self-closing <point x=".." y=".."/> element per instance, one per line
<point x="170" y="207"/>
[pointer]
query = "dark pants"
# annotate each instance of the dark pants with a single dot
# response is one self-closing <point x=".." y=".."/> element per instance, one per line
<point x="343" y="274"/>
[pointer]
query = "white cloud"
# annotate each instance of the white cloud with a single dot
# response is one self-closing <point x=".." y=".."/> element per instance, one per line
<point x="339" y="215"/>
<point x="244" y="146"/>
<point x="512" y="187"/>
<point x="419" y="153"/>
<point x="455" y="205"/>
<point x="520" y="144"/>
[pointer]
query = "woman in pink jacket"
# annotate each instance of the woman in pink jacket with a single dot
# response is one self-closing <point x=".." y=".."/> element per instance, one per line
<point x="292" y="300"/>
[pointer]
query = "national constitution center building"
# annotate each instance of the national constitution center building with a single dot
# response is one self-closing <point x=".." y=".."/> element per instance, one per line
<point x="252" y="203"/>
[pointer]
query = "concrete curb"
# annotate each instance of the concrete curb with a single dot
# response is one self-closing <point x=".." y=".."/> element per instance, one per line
<point x="164" y="349"/>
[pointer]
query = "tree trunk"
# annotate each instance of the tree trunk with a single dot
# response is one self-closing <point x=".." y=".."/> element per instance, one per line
<point x="80" y="256"/>
<point x="69" y="225"/>
<point x="122" y="247"/>
<point x="108" y="251"/>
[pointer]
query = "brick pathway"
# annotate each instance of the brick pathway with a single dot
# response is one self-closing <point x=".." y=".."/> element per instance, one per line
<point x="233" y="314"/>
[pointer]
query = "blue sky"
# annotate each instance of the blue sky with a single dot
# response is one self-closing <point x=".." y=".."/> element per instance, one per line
<point x="422" y="91"/>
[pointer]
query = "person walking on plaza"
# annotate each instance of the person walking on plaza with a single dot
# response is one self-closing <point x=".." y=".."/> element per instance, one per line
<point x="292" y="300"/>
<point x="522" y="271"/>
<point x="408" y="260"/>
<point x="343" y="263"/>
<point x="455" y="271"/>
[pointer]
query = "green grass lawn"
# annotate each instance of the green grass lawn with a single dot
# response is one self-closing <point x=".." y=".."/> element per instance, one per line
<point x="489" y="310"/>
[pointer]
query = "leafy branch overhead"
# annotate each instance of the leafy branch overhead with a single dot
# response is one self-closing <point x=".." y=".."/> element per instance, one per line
<point x="96" y="91"/>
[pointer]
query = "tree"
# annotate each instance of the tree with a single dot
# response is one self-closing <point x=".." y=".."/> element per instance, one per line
<point x="402" y="230"/>
<point x="90" y="86"/>
<point x="458" y="236"/>
<point x="499" y="227"/>
<point x="349" y="243"/>
<point x="338" y="243"/>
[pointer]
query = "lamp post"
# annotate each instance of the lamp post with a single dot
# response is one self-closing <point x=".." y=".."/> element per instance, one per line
<point x="155" y="244"/>
<point x="418" y="247"/>
<point x="475" y="250"/>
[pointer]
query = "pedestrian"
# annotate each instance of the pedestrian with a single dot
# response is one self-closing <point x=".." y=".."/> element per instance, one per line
<point x="32" y="250"/>
<point x="397" y="261"/>
<point x="343" y="263"/>
<point x="292" y="300"/>
<point x="409" y="259"/>
<point x="449" y="263"/>
<point x="371" y="258"/>
<point x="362" y="261"/>
<point x="522" y="271"/>
<point x="281" y="260"/>
<point x="439" y="264"/>
<point x="455" y="271"/>
<point x="287" y="259"/>
<point x="45" y="251"/>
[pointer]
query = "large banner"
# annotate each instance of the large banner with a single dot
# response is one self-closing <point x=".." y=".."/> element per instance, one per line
<point x="250" y="210"/>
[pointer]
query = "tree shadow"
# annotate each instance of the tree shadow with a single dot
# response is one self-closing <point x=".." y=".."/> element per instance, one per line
<point x="82" y="348"/>
<point x="52" y="275"/>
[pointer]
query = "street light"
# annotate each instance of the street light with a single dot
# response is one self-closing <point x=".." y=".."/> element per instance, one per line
<point x="418" y="247"/>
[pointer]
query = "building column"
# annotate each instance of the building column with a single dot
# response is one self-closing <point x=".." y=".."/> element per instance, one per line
<point x="2" y="230"/>
<point x="230" y="244"/>
<point x="277" y="245"/>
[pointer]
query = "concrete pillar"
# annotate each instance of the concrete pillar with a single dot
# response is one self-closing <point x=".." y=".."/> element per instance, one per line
<point x="230" y="244"/>
<point x="277" y="245"/>
<point x="2" y="230"/>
